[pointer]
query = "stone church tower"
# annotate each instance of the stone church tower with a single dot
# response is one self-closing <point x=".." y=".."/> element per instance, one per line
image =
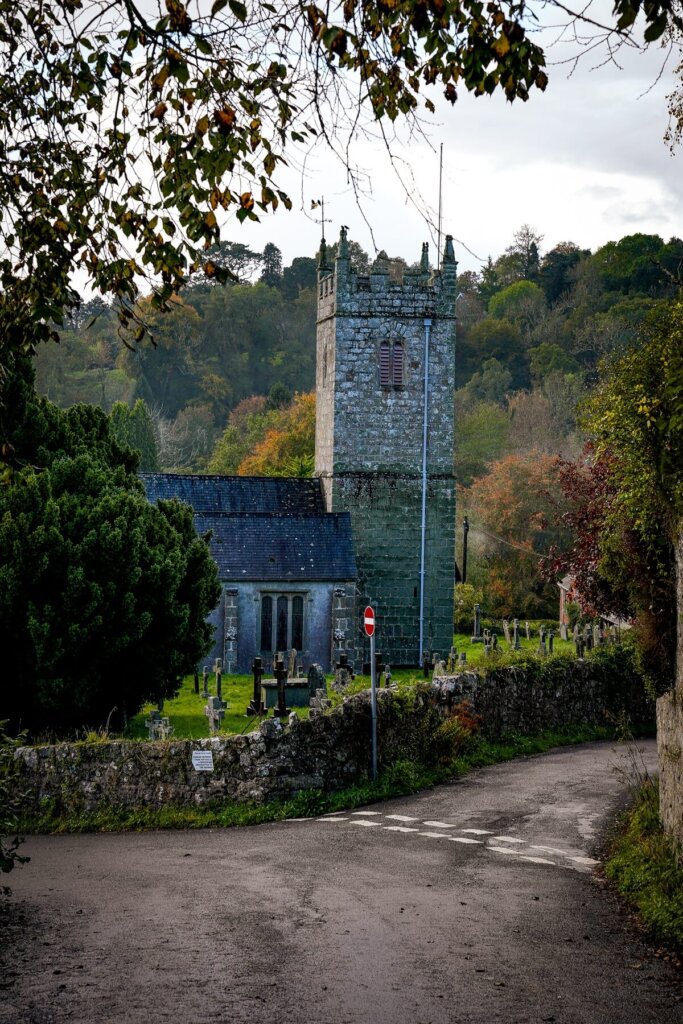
<point x="384" y="443"/>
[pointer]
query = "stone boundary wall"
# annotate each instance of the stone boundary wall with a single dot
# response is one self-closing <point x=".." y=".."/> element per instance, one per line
<point x="670" y="750"/>
<point x="326" y="752"/>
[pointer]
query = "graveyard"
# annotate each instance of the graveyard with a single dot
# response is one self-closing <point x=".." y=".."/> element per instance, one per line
<point x="186" y="714"/>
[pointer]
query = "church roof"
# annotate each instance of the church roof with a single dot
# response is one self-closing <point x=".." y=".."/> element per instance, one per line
<point x="264" y="528"/>
<point x="267" y="546"/>
<point x="217" y="494"/>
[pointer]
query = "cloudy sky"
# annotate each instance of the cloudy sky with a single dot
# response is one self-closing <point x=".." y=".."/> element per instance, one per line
<point x="584" y="162"/>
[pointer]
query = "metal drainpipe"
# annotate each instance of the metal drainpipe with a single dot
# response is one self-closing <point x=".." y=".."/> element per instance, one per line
<point x="423" y="533"/>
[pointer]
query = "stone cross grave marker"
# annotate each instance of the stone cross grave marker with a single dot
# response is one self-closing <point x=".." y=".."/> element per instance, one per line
<point x="215" y="712"/>
<point x="506" y="631"/>
<point x="528" y="630"/>
<point x="515" y="625"/>
<point x="291" y="667"/>
<point x="158" y="728"/>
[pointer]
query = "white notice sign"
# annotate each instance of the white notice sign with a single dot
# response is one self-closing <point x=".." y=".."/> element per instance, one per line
<point x="202" y="760"/>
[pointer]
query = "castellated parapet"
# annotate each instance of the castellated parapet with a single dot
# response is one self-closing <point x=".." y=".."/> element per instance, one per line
<point x="372" y="379"/>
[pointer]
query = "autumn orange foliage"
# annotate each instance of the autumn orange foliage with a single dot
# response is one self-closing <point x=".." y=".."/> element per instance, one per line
<point x="289" y="444"/>
<point x="512" y="510"/>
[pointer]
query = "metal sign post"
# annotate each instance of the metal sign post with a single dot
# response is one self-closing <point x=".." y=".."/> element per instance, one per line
<point x="369" y="626"/>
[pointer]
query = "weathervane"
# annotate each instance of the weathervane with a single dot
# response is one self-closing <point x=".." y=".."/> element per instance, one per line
<point x="315" y="203"/>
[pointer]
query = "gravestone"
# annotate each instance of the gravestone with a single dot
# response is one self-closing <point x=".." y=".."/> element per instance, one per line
<point x="563" y="631"/>
<point x="439" y="669"/>
<point x="291" y="666"/>
<point x="476" y="634"/>
<point x="463" y="657"/>
<point x="158" y="728"/>
<point x="205" y="682"/>
<point x="452" y="659"/>
<point x="387" y="675"/>
<point x="215" y="712"/>
<point x="318" y="703"/>
<point x="528" y="631"/>
<point x="515" y="625"/>
<point x="506" y="631"/>
<point x="342" y="673"/>
<point x="316" y="681"/>
<point x="426" y="664"/>
<point x="280" y="673"/>
<point x="551" y="640"/>
<point x="256" y="705"/>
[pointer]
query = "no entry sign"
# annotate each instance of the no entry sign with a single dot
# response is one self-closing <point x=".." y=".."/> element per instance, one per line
<point x="369" y="621"/>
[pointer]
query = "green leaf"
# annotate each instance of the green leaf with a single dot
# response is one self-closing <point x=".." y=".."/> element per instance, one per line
<point x="657" y="28"/>
<point x="238" y="9"/>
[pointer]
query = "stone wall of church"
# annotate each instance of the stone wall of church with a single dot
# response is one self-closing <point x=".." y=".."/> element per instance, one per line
<point x="369" y="443"/>
<point x="237" y="623"/>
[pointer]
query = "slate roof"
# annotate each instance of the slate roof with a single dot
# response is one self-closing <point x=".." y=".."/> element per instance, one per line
<point x="264" y="546"/>
<point x="215" y="494"/>
<point x="264" y="528"/>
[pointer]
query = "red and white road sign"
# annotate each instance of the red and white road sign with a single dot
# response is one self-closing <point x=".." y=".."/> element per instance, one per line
<point x="369" y="620"/>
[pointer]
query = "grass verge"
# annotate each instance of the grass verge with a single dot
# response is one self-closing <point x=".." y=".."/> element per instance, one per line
<point x="402" y="778"/>
<point x="644" y="868"/>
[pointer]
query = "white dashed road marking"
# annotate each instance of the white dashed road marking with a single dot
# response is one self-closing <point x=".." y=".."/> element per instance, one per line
<point x="511" y="843"/>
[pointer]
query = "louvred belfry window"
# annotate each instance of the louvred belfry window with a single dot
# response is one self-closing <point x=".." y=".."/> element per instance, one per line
<point x="391" y="365"/>
<point x="397" y="366"/>
<point x="385" y="365"/>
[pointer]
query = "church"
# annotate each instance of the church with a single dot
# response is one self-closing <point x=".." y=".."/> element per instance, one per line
<point x="298" y="559"/>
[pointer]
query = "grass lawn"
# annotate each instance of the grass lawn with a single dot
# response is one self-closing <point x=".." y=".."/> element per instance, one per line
<point x="475" y="652"/>
<point x="186" y="711"/>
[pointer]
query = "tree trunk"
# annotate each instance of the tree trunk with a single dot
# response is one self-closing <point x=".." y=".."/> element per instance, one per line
<point x="670" y="727"/>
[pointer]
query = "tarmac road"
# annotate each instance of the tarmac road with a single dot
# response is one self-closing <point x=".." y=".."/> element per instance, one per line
<point x="470" y="903"/>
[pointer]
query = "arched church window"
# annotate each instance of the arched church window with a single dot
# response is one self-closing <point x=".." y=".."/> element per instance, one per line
<point x="298" y="623"/>
<point x="281" y="643"/>
<point x="266" y="623"/>
<point x="282" y="622"/>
